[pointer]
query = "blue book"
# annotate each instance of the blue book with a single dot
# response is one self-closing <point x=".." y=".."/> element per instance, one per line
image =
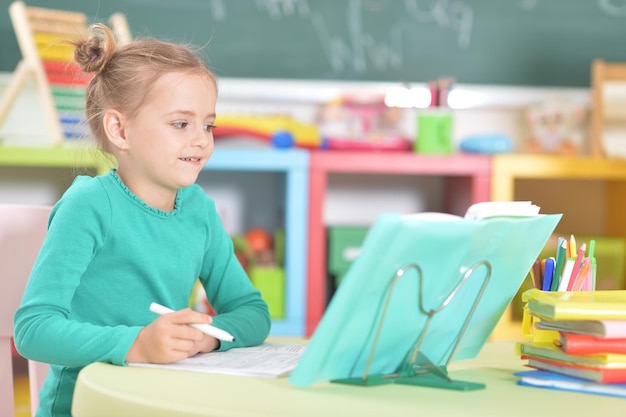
<point x="550" y="380"/>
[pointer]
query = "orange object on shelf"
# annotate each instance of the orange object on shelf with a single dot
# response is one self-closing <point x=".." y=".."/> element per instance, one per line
<point x="259" y="239"/>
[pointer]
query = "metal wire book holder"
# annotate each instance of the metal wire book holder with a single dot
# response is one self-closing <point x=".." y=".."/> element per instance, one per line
<point x="416" y="368"/>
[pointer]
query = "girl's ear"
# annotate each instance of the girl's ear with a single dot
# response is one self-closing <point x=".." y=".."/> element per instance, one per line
<point x="113" y="122"/>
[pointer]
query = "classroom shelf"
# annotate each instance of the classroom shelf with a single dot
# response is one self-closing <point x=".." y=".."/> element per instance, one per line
<point x="590" y="192"/>
<point x="552" y="182"/>
<point x="467" y="181"/>
<point x="294" y="164"/>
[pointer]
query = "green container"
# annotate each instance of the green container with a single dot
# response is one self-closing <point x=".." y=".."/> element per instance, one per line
<point x="344" y="245"/>
<point x="434" y="133"/>
<point x="271" y="282"/>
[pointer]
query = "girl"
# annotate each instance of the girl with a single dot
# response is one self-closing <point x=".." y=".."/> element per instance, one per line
<point x="142" y="233"/>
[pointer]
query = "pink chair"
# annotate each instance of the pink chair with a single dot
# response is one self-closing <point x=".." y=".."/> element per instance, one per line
<point x="22" y="230"/>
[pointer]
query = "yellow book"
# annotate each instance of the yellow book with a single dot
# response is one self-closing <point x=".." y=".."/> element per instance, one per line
<point x="577" y="305"/>
<point x="548" y="350"/>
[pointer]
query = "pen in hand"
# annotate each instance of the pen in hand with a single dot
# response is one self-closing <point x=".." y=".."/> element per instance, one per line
<point x="204" y="328"/>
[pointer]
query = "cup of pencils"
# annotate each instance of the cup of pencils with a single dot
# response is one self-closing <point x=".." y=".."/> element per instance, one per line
<point x="572" y="268"/>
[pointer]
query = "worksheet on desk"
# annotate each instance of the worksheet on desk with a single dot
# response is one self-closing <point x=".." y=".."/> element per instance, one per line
<point x="269" y="360"/>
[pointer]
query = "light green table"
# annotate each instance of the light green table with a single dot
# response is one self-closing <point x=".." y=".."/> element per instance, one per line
<point x="107" y="390"/>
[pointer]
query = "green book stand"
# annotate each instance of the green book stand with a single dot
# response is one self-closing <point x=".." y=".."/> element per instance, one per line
<point x="417" y="369"/>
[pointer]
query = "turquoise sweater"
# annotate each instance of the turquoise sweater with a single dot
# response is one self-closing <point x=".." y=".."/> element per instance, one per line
<point x="106" y="257"/>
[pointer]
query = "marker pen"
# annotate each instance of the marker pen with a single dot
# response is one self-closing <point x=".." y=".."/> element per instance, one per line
<point x="204" y="328"/>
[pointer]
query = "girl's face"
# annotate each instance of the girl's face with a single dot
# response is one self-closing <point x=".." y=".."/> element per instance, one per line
<point x="170" y="139"/>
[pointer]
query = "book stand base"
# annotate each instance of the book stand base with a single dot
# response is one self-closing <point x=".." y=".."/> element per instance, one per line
<point x="426" y="380"/>
<point x="419" y="370"/>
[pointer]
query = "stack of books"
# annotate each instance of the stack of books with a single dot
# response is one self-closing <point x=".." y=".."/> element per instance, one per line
<point x="579" y="341"/>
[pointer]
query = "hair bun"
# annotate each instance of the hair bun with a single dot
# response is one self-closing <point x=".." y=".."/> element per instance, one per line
<point x="87" y="53"/>
<point x="92" y="54"/>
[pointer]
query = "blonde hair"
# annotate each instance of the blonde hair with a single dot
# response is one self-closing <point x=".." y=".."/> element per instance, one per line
<point x="123" y="75"/>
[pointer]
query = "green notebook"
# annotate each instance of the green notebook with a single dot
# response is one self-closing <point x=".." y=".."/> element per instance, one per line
<point x="444" y="247"/>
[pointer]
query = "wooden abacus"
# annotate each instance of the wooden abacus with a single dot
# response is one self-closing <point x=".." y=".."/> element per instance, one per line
<point x="42" y="35"/>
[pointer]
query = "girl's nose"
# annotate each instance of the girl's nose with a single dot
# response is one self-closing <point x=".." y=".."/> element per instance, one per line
<point x="202" y="139"/>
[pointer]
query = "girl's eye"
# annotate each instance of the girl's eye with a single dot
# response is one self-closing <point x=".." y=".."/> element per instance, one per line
<point x="209" y="127"/>
<point x="180" y="125"/>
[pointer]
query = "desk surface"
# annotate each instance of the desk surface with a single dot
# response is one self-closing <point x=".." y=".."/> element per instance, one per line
<point x="108" y="390"/>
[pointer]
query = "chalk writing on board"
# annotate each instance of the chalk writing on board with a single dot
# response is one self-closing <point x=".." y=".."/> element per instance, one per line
<point x="613" y="7"/>
<point x="218" y="9"/>
<point x="453" y="15"/>
<point x="369" y="39"/>
<point x="279" y="8"/>
<point x="358" y="49"/>
<point x="528" y="4"/>
<point x="610" y="7"/>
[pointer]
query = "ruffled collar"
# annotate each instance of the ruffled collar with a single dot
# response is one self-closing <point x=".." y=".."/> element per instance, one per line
<point x="139" y="202"/>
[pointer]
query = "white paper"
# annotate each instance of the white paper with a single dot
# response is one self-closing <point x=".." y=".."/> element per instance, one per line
<point x="501" y="208"/>
<point x="269" y="360"/>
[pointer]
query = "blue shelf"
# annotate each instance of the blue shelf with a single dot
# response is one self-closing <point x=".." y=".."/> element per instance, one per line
<point x="294" y="164"/>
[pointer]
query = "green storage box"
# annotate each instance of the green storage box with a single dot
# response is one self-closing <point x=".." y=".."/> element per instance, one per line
<point x="271" y="282"/>
<point x="344" y="245"/>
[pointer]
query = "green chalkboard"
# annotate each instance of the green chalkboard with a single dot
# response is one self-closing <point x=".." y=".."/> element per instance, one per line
<point x="492" y="42"/>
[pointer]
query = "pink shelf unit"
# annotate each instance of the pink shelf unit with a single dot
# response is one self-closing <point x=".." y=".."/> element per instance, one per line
<point x="467" y="181"/>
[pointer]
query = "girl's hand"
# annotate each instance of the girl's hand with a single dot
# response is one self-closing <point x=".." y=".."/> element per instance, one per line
<point x="169" y="338"/>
